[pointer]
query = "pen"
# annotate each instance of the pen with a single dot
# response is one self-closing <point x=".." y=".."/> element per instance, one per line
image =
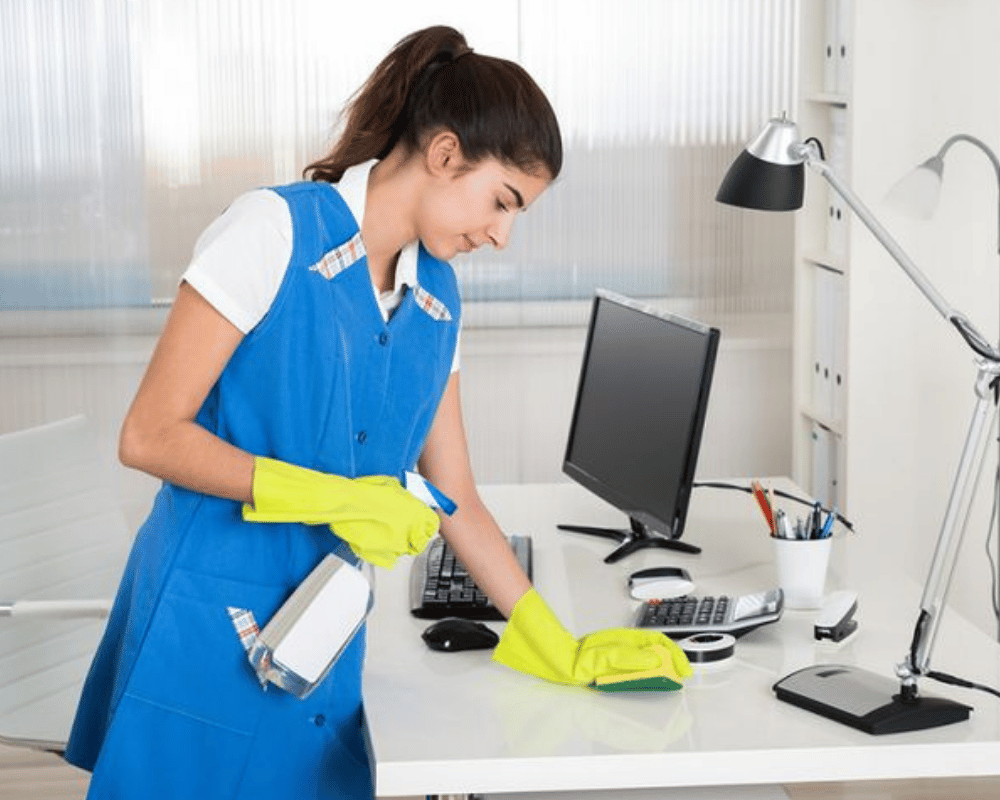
<point x="828" y="525"/>
<point x="815" y="521"/>
<point x="780" y="522"/>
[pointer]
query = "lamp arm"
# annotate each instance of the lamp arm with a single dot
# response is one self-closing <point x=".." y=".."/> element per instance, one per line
<point x="964" y="137"/>
<point x="953" y="527"/>
<point x="960" y="501"/>
<point x="973" y="338"/>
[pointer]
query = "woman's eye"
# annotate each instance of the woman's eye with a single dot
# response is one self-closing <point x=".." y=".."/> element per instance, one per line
<point x="501" y="206"/>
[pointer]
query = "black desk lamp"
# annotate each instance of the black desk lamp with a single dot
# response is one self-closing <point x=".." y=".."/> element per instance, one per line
<point x="768" y="176"/>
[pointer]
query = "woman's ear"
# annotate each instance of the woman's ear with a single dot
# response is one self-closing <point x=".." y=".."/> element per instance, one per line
<point x="443" y="155"/>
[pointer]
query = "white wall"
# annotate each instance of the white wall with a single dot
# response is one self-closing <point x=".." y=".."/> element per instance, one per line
<point x="924" y="70"/>
<point x="518" y="387"/>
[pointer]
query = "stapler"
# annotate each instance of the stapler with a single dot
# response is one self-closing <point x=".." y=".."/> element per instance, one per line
<point x="835" y="620"/>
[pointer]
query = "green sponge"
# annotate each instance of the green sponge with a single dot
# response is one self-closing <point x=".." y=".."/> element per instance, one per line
<point x="661" y="679"/>
<point x="659" y="683"/>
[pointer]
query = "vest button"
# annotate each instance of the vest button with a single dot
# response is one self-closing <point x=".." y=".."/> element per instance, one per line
<point x="319" y="720"/>
<point x="383" y="338"/>
<point x="362" y="437"/>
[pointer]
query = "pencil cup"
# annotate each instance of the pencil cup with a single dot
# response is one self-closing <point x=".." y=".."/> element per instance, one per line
<point x="802" y="565"/>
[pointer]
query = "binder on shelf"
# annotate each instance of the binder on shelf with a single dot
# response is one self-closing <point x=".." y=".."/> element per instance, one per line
<point x="836" y="156"/>
<point x="830" y="54"/>
<point x="836" y="224"/>
<point x="844" y="46"/>
<point x="822" y="342"/>
<point x="829" y="344"/>
<point x="837" y="46"/>
<point x="838" y="336"/>
<point x="825" y="446"/>
<point x="837" y="150"/>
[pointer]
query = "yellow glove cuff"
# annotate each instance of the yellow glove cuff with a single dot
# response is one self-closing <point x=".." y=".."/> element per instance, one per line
<point x="535" y="642"/>
<point x="284" y="492"/>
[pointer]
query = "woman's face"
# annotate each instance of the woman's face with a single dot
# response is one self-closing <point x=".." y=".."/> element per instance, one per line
<point x="464" y="209"/>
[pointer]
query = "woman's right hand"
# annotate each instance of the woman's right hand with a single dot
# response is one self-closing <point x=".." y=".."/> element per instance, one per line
<point x="375" y="515"/>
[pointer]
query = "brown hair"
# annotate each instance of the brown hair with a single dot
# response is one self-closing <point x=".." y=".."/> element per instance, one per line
<point x="431" y="81"/>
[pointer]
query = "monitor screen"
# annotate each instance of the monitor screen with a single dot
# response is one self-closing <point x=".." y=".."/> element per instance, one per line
<point x="639" y="413"/>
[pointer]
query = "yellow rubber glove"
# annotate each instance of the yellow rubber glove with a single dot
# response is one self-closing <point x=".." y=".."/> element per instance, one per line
<point x="375" y="515"/>
<point x="535" y="642"/>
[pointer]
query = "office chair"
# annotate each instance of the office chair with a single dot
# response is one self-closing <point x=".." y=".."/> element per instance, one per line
<point x="63" y="545"/>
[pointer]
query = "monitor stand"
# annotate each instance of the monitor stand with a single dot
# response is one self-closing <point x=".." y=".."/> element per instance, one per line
<point x="636" y="538"/>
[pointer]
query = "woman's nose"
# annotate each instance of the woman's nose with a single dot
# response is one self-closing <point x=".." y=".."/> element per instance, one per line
<point x="499" y="232"/>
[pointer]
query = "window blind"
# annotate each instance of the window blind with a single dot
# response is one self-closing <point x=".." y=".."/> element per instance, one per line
<point x="130" y="126"/>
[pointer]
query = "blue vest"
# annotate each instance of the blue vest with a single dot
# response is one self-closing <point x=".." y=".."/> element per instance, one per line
<point x="171" y="707"/>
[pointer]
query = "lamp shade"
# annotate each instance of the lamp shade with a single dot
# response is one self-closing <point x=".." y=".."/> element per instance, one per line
<point x="767" y="175"/>
<point x="754" y="183"/>
<point x="916" y="194"/>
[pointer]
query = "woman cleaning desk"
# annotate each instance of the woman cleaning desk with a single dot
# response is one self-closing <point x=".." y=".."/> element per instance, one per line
<point x="310" y="357"/>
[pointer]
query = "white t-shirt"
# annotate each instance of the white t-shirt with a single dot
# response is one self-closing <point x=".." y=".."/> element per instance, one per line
<point x="240" y="259"/>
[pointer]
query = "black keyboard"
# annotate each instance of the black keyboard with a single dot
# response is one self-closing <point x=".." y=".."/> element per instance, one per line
<point x="440" y="586"/>
<point x="685" y="616"/>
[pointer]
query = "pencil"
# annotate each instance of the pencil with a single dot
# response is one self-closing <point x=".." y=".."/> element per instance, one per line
<point x="765" y="504"/>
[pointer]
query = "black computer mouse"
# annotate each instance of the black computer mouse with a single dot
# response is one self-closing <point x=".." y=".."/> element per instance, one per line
<point x="452" y="634"/>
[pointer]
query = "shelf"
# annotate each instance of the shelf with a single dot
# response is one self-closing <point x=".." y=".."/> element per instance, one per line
<point x="828" y="99"/>
<point x="828" y="422"/>
<point x="831" y="261"/>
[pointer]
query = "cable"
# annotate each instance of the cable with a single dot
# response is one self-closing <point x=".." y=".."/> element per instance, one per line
<point x="972" y="338"/>
<point x="778" y="493"/>
<point x="819" y="146"/>
<point x="944" y="677"/>
<point x="994" y="593"/>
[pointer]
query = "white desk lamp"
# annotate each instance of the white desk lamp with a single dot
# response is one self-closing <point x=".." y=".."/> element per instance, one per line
<point x="918" y="192"/>
<point x="916" y="195"/>
<point x="769" y="176"/>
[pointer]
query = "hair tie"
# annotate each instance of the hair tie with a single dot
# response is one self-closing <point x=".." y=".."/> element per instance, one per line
<point x="444" y="57"/>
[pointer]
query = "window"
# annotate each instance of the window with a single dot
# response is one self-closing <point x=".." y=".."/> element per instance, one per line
<point x="132" y="125"/>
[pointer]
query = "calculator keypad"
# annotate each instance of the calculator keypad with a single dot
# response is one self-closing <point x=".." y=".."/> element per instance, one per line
<point x="686" y="611"/>
<point x="689" y="615"/>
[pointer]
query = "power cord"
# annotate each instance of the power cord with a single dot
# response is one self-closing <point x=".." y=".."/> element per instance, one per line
<point x="994" y="588"/>
<point x="819" y="146"/>
<point x="944" y="677"/>
<point x="778" y="493"/>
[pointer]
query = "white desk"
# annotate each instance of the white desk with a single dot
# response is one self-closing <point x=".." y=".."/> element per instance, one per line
<point x="445" y="723"/>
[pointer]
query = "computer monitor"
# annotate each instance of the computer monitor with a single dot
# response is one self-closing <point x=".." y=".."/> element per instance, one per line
<point x="638" y="418"/>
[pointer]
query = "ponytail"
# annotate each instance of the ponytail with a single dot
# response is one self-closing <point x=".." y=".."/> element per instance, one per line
<point x="433" y="81"/>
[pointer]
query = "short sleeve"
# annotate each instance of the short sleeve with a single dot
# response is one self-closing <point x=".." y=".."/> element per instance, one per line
<point x="240" y="259"/>
<point x="456" y="359"/>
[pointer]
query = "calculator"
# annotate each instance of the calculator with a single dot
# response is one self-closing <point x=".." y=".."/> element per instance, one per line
<point x="689" y="615"/>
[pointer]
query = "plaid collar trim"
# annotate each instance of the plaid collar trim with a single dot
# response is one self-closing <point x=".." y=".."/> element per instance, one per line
<point x="430" y="304"/>
<point x="340" y="258"/>
<point x="351" y="252"/>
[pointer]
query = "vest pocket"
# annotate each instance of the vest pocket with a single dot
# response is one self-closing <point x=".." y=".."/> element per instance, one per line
<point x="191" y="661"/>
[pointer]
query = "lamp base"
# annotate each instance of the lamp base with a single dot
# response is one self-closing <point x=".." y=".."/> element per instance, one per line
<point x="865" y="700"/>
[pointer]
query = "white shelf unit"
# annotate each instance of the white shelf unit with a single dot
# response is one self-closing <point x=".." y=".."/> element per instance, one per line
<point x="822" y="256"/>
